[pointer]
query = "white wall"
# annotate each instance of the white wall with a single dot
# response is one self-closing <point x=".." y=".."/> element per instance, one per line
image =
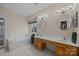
<point x="16" y="26"/>
<point x="51" y="26"/>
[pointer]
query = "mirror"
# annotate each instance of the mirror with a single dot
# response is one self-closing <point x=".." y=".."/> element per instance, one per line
<point x="64" y="22"/>
<point x="63" y="25"/>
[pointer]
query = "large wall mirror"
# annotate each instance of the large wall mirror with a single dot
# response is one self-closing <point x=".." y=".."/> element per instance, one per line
<point x="67" y="17"/>
<point x="65" y="21"/>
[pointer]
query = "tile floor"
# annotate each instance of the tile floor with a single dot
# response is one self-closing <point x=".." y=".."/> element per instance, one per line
<point x="24" y="48"/>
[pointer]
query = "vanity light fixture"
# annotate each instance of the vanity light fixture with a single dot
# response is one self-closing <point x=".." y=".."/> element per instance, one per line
<point x="41" y="22"/>
<point x="68" y="10"/>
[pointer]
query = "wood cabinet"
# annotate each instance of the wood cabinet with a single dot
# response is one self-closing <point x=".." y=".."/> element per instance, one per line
<point x="60" y="49"/>
<point x="66" y="51"/>
<point x="72" y="51"/>
<point x="39" y="44"/>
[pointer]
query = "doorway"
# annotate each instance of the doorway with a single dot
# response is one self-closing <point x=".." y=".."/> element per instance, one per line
<point x="32" y="27"/>
<point x="2" y="30"/>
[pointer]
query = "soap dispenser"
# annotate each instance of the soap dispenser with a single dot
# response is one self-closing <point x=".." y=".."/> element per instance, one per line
<point x="74" y="37"/>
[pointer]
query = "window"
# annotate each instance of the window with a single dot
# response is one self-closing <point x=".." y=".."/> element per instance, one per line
<point x="33" y="27"/>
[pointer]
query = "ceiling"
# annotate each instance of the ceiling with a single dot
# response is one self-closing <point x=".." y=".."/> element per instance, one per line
<point x="25" y="9"/>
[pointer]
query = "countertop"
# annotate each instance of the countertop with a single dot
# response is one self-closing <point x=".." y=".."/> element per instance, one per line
<point x="58" y="39"/>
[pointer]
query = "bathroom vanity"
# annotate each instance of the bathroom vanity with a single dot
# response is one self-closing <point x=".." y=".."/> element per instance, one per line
<point x="62" y="47"/>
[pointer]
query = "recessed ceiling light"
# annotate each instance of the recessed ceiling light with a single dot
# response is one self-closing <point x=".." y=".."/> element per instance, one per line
<point x="36" y="3"/>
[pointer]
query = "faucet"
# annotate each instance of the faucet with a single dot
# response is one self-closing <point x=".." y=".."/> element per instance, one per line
<point x="64" y="38"/>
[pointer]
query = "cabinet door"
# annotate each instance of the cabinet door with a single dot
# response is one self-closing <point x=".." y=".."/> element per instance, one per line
<point x="77" y="51"/>
<point x="66" y="51"/>
<point x="59" y="51"/>
<point x="39" y="44"/>
<point x="35" y="43"/>
<point x="70" y="51"/>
